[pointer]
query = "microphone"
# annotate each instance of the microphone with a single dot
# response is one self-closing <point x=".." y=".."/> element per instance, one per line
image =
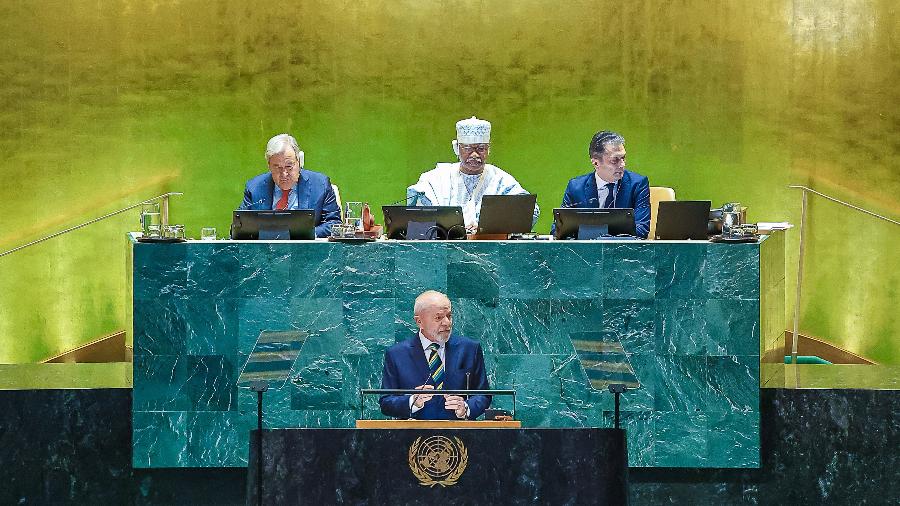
<point x="576" y="204"/>
<point x="405" y="201"/>
<point x="467" y="383"/>
<point x="595" y="199"/>
<point x="260" y="201"/>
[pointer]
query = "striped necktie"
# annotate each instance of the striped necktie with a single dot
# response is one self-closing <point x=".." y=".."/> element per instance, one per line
<point x="283" y="201"/>
<point x="435" y="366"/>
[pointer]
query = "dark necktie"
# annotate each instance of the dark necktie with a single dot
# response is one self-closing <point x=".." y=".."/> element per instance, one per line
<point x="435" y="366"/>
<point x="610" y="196"/>
<point x="283" y="201"/>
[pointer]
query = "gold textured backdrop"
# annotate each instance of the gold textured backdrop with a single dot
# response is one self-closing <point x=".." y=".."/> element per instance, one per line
<point x="107" y="103"/>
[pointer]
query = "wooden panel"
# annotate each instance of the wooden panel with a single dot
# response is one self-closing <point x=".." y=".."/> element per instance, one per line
<point x="109" y="348"/>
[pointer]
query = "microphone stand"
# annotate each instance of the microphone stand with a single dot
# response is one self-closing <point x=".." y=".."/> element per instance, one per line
<point x="405" y="201"/>
<point x="259" y="387"/>
<point x="616" y="389"/>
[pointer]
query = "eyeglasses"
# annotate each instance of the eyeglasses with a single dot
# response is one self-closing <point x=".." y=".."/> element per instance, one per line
<point x="283" y="168"/>
<point x="479" y="148"/>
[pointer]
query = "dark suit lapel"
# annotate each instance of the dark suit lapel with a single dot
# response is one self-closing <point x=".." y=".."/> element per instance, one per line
<point x="417" y="358"/>
<point x="625" y="198"/>
<point x="590" y="192"/>
<point x="303" y="191"/>
<point x="270" y="193"/>
<point x="451" y="362"/>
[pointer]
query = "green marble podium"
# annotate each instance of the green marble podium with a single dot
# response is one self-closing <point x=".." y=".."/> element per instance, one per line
<point x="692" y="318"/>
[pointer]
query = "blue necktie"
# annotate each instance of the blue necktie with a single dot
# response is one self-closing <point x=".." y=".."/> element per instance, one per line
<point x="435" y="366"/>
<point x="610" y="196"/>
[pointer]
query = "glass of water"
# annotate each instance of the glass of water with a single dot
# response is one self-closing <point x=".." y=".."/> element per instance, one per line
<point x="150" y="219"/>
<point x="353" y="215"/>
<point x="207" y="234"/>
<point x="175" y="232"/>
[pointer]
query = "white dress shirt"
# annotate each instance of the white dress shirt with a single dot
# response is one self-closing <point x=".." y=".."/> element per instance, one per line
<point x="602" y="190"/>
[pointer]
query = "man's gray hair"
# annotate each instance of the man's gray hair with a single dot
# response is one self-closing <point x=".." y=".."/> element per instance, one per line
<point x="279" y="144"/>
<point x="424" y="300"/>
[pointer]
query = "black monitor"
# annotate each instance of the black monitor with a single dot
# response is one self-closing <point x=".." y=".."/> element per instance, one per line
<point x="682" y="219"/>
<point x="506" y="214"/>
<point x="448" y="221"/>
<point x="271" y="225"/>
<point x="619" y="221"/>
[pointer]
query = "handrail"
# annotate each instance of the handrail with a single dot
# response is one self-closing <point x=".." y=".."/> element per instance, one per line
<point x="164" y="218"/>
<point x="797" y="299"/>
<point x="841" y="202"/>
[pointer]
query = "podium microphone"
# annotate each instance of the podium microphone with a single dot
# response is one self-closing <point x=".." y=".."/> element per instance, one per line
<point x="406" y="201"/>
<point x="576" y="204"/>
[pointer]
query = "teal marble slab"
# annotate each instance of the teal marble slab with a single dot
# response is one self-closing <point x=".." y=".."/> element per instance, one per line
<point x="733" y="440"/>
<point x="679" y="270"/>
<point x="629" y="271"/>
<point x="688" y="317"/>
<point x="681" y="440"/>
<point x="197" y="326"/>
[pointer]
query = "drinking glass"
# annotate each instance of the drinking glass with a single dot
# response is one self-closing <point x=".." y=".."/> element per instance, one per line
<point x="150" y="219"/>
<point x="353" y="215"/>
<point x="207" y="234"/>
<point x="175" y="232"/>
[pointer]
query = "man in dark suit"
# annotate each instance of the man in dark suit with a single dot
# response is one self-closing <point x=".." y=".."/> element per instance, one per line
<point x="610" y="185"/>
<point x="433" y="360"/>
<point x="288" y="185"/>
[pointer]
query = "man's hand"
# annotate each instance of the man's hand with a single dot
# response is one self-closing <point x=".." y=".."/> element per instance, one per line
<point x="456" y="404"/>
<point x="419" y="400"/>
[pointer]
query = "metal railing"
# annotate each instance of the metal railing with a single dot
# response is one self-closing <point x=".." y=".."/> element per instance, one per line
<point x="163" y="218"/>
<point x="803" y="206"/>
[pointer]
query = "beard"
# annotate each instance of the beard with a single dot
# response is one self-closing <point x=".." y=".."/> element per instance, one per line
<point x="471" y="166"/>
<point x="438" y="337"/>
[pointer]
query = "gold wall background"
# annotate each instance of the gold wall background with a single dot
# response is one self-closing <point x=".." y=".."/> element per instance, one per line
<point x="103" y="104"/>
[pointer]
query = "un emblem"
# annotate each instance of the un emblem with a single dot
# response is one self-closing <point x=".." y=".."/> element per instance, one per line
<point x="438" y="460"/>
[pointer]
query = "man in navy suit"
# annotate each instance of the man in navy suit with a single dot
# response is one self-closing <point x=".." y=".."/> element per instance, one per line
<point x="610" y="185"/>
<point x="433" y="360"/>
<point x="288" y="185"/>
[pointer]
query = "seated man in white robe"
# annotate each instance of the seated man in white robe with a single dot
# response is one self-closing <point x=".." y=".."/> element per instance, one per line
<point x="464" y="183"/>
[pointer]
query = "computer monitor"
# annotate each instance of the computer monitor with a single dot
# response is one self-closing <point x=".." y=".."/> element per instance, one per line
<point x="506" y="214"/>
<point x="619" y="221"/>
<point x="271" y="225"/>
<point x="682" y="219"/>
<point x="448" y="219"/>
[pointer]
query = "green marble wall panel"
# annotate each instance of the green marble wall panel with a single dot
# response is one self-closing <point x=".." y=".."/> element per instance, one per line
<point x="688" y="316"/>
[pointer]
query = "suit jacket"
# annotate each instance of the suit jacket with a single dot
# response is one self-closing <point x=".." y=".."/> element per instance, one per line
<point x="313" y="192"/>
<point x="405" y="367"/>
<point x="634" y="192"/>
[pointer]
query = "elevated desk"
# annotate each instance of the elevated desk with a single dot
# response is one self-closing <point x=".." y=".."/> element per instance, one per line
<point x="691" y="316"/>
<point x="441" y="466"/>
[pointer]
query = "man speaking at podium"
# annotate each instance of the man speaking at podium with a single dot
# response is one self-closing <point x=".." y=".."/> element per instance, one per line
<point x="433" y="360"/>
